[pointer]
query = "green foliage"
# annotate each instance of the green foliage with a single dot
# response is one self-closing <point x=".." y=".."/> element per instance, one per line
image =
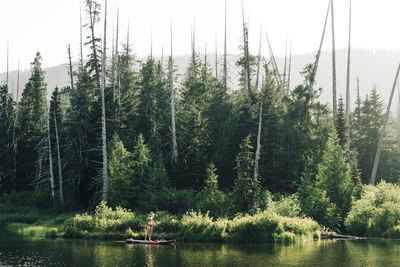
<point x="32" y="125"/>
<point x="268" y="226"/>
<point x="210" y="198"/>
<point x="120" y="174"/>
<point x="329" y="199"/>
<point x="243" y="192"/>
<point x="104" y="219"/>
<point x="377" y="212"/>
<point x="288" y="206"/>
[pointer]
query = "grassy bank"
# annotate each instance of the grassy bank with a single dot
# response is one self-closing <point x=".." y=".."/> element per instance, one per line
<point x="119" y="223"/>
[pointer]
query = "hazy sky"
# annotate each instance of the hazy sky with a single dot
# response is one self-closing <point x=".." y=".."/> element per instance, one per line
<point x="49" y="25"/>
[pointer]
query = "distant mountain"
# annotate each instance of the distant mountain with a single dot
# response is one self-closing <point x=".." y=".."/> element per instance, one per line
<point x="374" y="68"/>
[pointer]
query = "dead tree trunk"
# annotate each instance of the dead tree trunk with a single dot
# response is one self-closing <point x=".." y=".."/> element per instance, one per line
<point x="113" y="62"/>
<point x="274" y="65"/>
<point x="225" y="70"/>
<point x="60" y="179"/>
<point x="334" y="100"/>
<point x="258" y="149"/>
<point x="216" y="58"/>
<point x="103" y="112"/>
<point x="81" y="41"/>
<point x="50" y="156"/>
<point x="315" y="67"/>
<point x="378" y="150"/>
<point x="71" y="74"/>
<point x="174" y="158"/>
<point x="8" y="56"/>
<point x="258" y="61"/>
<point x="284" y="69"/>
<point x="348" y="69"/>
<point x="290" y="68"/>
<point x="92" y="16"/>
<point x="15" y="141"/>
<point x="247" y="64"/>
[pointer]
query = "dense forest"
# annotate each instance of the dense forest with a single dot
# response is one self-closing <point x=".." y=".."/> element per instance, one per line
<point x="137" y="135"/>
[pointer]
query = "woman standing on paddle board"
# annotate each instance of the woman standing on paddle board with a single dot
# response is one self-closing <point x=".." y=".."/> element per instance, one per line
<point x="150" y="223"/>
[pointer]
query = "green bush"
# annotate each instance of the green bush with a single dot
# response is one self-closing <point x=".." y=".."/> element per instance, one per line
<point x="104" y="219"/>
<point x="196" y="226"/>
<point x="39" y="231"/>
<point x="269" y="226"/>
<point x="376" y="212"/>
<point x="393" y="232"/>
<point x="287" y="206"/>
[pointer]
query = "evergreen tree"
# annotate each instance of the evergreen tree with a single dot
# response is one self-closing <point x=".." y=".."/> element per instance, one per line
<point x="307" y="125"/>
<point x="272" y="139"/>
<point x="191" y="128"/>
<point x="245" y="187"/>
<point x="7" y="171"/>
<point x="128" y="99"/>
<point x="342" y="128"/>
<point x="210" y="198"/>
<point x="328" y="199"/>
<point x="32" y="126"/>
<point x="81" y="139"/>
<point x="121" y="191"/>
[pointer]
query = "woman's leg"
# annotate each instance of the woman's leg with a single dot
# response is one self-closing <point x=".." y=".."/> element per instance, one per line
<point x="150" y="230"/>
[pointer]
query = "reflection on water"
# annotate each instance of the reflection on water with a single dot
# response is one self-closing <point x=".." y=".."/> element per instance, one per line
<point x="19" y="251"/>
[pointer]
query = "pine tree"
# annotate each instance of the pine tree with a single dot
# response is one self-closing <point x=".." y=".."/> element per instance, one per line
<point x="121" y="191"/>
<point x="210" y="198"/>
<point x="244" y="188"/>
<point x="32" y="125"/>
<point x="7" y="172"/>
<point x="272" y="137"/>
<point x="334" y="177"/>
<point x="342" y="128"/>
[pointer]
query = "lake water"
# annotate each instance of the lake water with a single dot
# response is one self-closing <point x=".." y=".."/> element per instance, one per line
<point x="26" y="251"/>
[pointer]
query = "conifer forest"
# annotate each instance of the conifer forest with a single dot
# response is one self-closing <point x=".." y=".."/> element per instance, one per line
<point x="134" y="133"/>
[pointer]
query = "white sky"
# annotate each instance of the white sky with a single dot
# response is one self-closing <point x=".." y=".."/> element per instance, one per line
<point x="49" y="25"/>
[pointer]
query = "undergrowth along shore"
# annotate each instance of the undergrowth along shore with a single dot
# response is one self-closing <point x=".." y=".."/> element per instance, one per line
<point x="375" y="214"/>
<point x="120" y="223"/>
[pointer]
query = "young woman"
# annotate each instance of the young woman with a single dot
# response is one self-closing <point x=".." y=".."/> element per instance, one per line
<point x="150" y="224"/>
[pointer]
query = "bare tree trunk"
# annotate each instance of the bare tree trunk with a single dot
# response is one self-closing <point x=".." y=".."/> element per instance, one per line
<point x="8" y="56"/>
<point x="225" y="77"/>
<point x="92" y="15"/>
<point x="60" y="179"/>
<point x="113" y="62"/>
<point x="15" y="141"/>
<point x="257" y="156"/>
<point x="378" y="150"/>
<point x="205" y="55"/>
<point x="358" y="89"/>
<point x="50" y="156"/>
<point x="398" y="105"/>
<point x="284" y="69"/>
<point x="116" y="70"/>
<point x="258" y="61"/>
<point x="315" y="68"/>
<point x="334" y="102"/>
<point x="290" y="68"/>
<point x="274" y="65"/>
<point x="348" y="69"/>
<point x="247" y="64"/>
<point x="216" y="58"/>
<point x="81" y="41"/>
<point x="174" y="157"/>
<point x="71" y="74"/>
<point x="239" y="174"/>
<point x="103" y="112"/>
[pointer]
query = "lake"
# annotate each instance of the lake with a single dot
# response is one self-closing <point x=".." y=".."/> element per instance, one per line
<point x="27" y="251"/>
